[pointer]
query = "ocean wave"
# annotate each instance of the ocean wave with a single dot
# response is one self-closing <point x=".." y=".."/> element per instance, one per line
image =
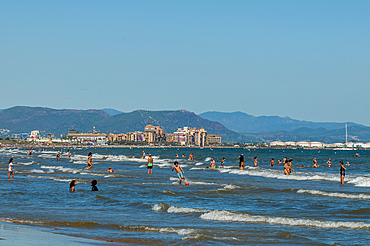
<point x="360" y="181"/>
<point x="230" y="187"/>
<point x="218" y="215"/>
<point x="334" y="194"/>
<point x="175" y="209"/>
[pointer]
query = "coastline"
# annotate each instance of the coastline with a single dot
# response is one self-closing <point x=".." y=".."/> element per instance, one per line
<point x="16" y="233"/>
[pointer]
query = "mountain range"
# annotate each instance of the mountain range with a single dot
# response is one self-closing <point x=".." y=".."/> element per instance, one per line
<point x="232" y="127"/>
<point x="25" y="119"/>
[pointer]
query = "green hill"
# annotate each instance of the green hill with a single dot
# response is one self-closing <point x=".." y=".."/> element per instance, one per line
<point x="170" y="121"/>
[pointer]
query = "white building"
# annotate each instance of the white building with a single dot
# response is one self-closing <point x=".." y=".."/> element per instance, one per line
<point x="303" y="144"/>
<point x="98" y="138"/>
<point x="277" y="143"/>
<point x="289" y="143"/>
<point x="316" y="145"/>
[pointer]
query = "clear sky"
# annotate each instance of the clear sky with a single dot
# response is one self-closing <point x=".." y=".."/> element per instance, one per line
<point x="309" y="60"/>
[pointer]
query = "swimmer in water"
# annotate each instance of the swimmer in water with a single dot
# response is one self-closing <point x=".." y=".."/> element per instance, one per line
<point x="58" y="155"/>
<point x="329" y="162"/>
<point x="110" y="170"/>
<point x="179" y="171"/>
<point x="314" y="163"/>
<point x="89" y="161"/>
<point x="72" y="185"/>
<point x="272" y="162"/>
<point x="93" y="184"/>
<point x="255" y="161"/>
<point x="342" y="172"/>
<point x="30" y="152"/>
<point x="223" y="162"/>
<point x="69" y="154"/>
<point x="10" y="168"/>
<point x="143" y="154"/>
<point x="212" y="164"/>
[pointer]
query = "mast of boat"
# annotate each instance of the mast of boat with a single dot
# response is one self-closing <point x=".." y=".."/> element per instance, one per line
<point x="346" y="136"/>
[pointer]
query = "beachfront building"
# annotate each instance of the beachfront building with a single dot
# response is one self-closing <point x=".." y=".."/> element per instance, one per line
<point x="366" y="145"/>
<point x="98" y="138"/>
<point x="303" y="144"/>
<point x="154" y="134"/>
<point x="190" y="136"/>
<point x="277" y="143"/>
<point x="180" y="136"/>
<point x="169" y="137"/>
<point x="289" y="143"/>
<point x="35" y="134"/>
<point x="213" y="139"/>
<point x="316" y="145"/>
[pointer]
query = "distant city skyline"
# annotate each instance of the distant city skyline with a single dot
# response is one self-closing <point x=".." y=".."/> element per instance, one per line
<point x="305" y="60"/>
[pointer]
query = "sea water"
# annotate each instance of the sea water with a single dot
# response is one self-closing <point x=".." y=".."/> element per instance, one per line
<point x="223" y="206"/>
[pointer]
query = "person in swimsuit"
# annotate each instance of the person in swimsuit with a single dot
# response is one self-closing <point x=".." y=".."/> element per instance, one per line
<point x="58" y="155"/>
<point x="143" y="154"/>
<point x="314" y="163"/>
<point x="223" y="162"/>
<point x="110" y="170"/>
<point x="93" y="184"/>
<point x="30" y="152"/>
<point x="241" y="161"/>
<point x="342" y="172"/>
<point x="329" y="162"/>
<point x="10" y="169"/>
<point x="89" y="161"/>
<point x="272" y="162"/>
<point x="150" y="164"/>
<point x="69" y="154"/>
<point x="72" y="186"/>
<point x="255" y="161"/>
<point x="212" y="164"/>
<point x="179" y="171"/>
<point x="286" y="168"/>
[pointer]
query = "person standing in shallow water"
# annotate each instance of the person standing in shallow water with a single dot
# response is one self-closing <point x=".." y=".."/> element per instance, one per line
<point x="89" y="161"/>
<point x="314" y="163"/>
<point x="58" y="155"/>
<point x="150" y="164"/>
<point x="255" y="161"/>
<point x="342" y="172"/>
<point x="10" y="169"/>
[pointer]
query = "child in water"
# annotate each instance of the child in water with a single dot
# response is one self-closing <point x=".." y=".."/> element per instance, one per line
<point x="93" y="184"/>
<point x="72" y="186"/>
<point x="180" y="172"/>
<point x="223" y="162"/>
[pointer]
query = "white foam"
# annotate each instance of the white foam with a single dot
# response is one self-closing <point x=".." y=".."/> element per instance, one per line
<point x="207" y="159"/>
<point x="27" y="163"/>
<point x="334" y="194"/>
<point x="198" y="168"/>
<point x="217" y="215"/>
<point x="36" y="171"/>
<point x="360" y="181"/>
<point x="158" y="207"/>
<point x="180" y="232"/>
<point x="175" y="209"/>
<point x="229" y="187"/>
<point x="199" y="163"/>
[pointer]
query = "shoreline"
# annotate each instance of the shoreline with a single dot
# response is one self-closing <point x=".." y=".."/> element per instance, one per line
<point x="18" y="233"/>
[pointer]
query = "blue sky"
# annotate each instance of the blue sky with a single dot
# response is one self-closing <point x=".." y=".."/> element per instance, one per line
<point x="308" y="60"/>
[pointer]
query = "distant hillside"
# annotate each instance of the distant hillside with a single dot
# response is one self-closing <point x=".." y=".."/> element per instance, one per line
<point x="245" y="123"/>
<point x="25" y="119"/>
<point x="355" y="133"/>
<point x="170" y="121"/>
<point x="111" y="111"/>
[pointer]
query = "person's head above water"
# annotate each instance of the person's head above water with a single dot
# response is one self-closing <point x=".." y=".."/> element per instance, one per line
<point x="73" y="183"/>
<point x="94" y="182"/>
